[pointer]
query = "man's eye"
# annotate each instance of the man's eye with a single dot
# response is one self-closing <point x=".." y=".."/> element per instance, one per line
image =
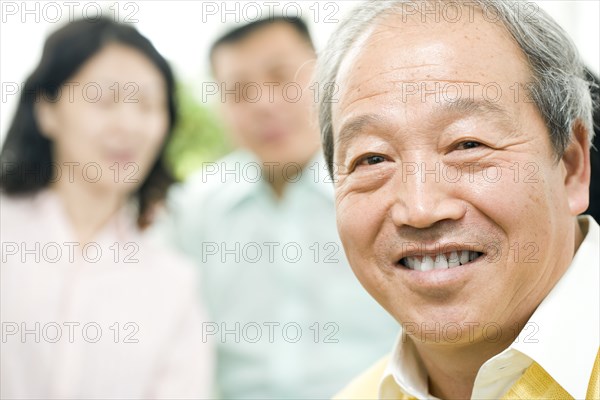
<point x="370" y="160"/>
<point x="470" y="144"/>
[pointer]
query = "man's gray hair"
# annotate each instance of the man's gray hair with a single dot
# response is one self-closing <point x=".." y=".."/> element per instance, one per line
<point x="558" y="87"/>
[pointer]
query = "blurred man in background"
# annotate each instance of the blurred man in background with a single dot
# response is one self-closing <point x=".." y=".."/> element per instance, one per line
<point x="290" y="319"/>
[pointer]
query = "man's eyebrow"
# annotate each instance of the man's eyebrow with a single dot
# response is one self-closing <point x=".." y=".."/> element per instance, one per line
<point x="462" y="107"/>
<point x="353" y="127"/>
<point x="470" y="107"/>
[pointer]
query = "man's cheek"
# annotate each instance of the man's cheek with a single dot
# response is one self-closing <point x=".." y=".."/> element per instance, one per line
<point x="353" y="228"/>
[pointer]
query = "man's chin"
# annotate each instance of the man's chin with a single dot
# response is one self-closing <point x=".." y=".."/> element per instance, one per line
<point x="453" y="325"/>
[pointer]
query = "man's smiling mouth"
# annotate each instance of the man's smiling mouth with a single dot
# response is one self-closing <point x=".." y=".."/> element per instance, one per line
<point x="434" y="261"/>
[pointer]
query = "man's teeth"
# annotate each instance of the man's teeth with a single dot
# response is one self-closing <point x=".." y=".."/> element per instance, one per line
<point x="464" y="257"/>
<point x="440" y="261"/>
<point x="454" y="259"/>
<point x="427" y="263"/>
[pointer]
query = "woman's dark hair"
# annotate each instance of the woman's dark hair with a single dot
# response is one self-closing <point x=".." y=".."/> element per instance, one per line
<point x="26" y="159"/>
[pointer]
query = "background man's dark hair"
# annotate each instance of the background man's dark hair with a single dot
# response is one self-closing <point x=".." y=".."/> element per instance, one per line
<point x="238" y="34"/>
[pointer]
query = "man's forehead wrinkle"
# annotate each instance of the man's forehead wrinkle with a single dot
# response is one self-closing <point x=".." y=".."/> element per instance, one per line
<point x="394" y="83"/>
<point x="366" y="97"/>
<point x="441" y="80"/>
<point x="401" y="82"/>
<point x="356" y="87"/>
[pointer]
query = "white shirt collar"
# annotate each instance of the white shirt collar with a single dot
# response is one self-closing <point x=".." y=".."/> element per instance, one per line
<point x="562" y="336"/>
<point x="404" y="372"/>
<point x="570" y="313"/>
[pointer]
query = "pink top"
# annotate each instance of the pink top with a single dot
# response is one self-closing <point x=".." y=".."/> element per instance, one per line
<point x="118" y="317"/>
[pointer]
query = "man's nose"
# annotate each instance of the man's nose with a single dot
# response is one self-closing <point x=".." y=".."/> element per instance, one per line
<point x="270" y="96"/>
<point x="423" y="197"/>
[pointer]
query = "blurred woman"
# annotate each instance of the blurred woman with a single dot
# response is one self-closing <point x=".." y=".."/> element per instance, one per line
<point x="90" y="306"/>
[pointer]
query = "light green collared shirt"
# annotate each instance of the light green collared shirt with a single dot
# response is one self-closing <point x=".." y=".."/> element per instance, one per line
<point x="289" y="317"/>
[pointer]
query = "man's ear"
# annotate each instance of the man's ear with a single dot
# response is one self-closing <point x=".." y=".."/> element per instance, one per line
<point x="576" y="160"/>
<point x="45" y="115"/>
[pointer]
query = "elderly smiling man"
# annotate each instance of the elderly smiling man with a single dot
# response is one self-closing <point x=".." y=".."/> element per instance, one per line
<point x="459" y="137"/>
